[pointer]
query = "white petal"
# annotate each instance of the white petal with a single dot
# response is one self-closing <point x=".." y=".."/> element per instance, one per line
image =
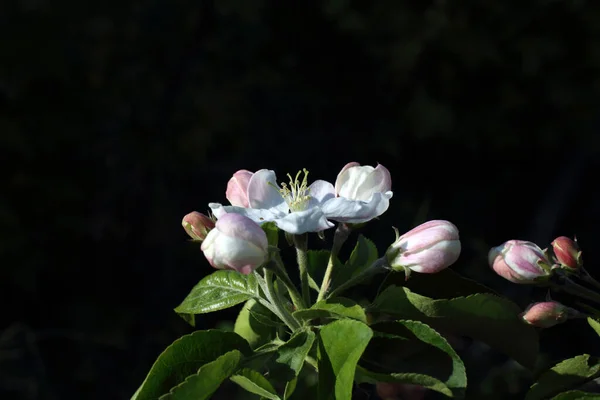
<point x="351" y="179"/>
<point x="378" y="180"/>
<point x="342" y="209"/>
<point x="320" y="191"/>
<point x="257" y="215"/>
<point x="263" y="191"/>
<point x="311" y="220"/>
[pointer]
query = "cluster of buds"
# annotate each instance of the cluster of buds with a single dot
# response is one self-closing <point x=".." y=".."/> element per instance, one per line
<point x="525" y="262"/>
<point x="233" y="238"/>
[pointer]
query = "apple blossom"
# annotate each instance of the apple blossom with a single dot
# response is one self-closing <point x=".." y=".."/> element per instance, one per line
<point x="237" y="188"/>
<point x="294" y="208"/>
<point x="236" y="243"/>
<point x="362" y="193"/>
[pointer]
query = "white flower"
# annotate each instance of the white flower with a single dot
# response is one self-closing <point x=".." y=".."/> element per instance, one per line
<point x="295" y="209"/>
<point x="362" y="193"/>
<point x="236" y="243"/>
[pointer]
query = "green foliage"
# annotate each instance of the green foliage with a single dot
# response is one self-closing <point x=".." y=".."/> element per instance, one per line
<point x="594" y="324"/>
<point x="255" y="323"/>
<point x="363" y="375"/>
<point x="484" y="317"/>
<point x="185" y="356"/>
<point x="425" y="361"/>
<point x="341" y="343"/>
<point x="254" y="382"/>
<point x="317" y="264"/>
<point x="361" y="258"/>
<point x="576" y="395"/>
<point x="568" y="374"/>
<point x="335" y="308"/>
<point x="272" y="232"/>
<point x="219" y="290"/>
<point x="209" y="377"/>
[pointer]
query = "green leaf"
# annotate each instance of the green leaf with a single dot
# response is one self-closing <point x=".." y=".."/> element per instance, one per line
<point x="253" y="324"/>
<point x="207" y="380"/>
<point x="290" y="387"/>
<point x="254" y="382"/>
<point x="594" y="324"/>
<point x="341" y="343"/>
<point x="363" y="375"/>
<point x="335" y="308"/>
<point x="290" y="356"/>
<point x="484" y="317"/>
<point x="272" y="232"/>
<point x="563" y="376"/>
<point x="441" y="285"/>
<point x="219" y="290"/>
<point x="184" y="357"/>
<point x="576" y="395"/>
<point x="361" y="258"/>
<point x="425" y="353"/>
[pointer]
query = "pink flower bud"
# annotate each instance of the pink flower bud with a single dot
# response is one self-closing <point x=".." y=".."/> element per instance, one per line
<point x="197" y="225"/>
<point x="394" y="391"/>
<point x="237" y="188"/>
<point x="567" y="252"/>
<point x="545" y="314"/>
<point x="236" y="243"/>
<point x="519" y="261"/>
<point x="428" y="248"/>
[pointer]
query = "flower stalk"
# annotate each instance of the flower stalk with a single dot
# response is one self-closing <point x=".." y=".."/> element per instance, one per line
<point x="341" y="235"/>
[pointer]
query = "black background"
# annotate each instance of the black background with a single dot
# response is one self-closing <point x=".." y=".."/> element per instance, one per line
<point x="118" y="118"/>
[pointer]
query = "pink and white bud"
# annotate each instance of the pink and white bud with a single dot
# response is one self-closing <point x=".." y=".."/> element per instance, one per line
<point x="520" y="261"/>
<point x="237" y="243"/>
<point x="567" y="252"/>
<point x="428" y="248"/>
<point x="400" y="391"/>
<point x="197" y="225"/>
<point x="545" y="314"/>
<point x="358" y="182"/>
<point x="237" y="188"/>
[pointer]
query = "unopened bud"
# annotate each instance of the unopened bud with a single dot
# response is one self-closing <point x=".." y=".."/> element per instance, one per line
<point x="428" y="248"/>
<point x="197" y="225"/>
<point x="546" y="314"/>
<point x="520" y="261"/>
<point x="567" y="252"/>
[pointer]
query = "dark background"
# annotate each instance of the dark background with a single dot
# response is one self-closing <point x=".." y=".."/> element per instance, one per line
<point x="117" y="118"/>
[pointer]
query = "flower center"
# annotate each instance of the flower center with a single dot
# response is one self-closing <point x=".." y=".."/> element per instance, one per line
<point x="297" y="194"/>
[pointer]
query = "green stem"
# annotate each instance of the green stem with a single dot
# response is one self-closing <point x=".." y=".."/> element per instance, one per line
<point x="577" y="290"/>
<point x="284" y="314"/>
<point x="300" y="241"/>
<point x="373" y="269"/>
<point x="282" y="275"/>
<point x="341" y="235"/>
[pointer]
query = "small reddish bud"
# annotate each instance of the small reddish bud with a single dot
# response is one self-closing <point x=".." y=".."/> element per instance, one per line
<point x="567" y="252"/>
<point x="197" y="225"/>
<point x="545" y="314"/>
